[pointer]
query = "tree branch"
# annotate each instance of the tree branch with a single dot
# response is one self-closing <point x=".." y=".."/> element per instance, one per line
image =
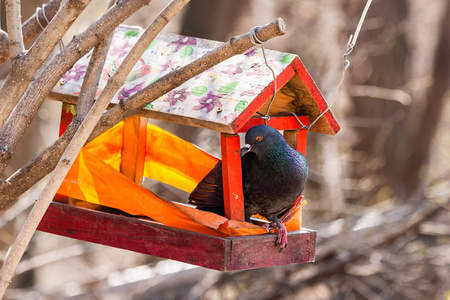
<point x="13" y="19"/>
<point x="30" y="29"/>
<point x="46" y="161"/>
<point x="25" y="67"/>
<point x="93" y="75"/>
<point x="91" y="78"/>
<point x="15" y="127"/>
<point x="78" y="141"/>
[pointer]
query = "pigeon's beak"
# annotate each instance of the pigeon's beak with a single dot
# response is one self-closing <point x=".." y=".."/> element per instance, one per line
<point x="245" y="149"/>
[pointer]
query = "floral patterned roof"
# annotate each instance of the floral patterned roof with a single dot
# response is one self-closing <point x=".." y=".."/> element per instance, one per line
<point x="219" y="98"/>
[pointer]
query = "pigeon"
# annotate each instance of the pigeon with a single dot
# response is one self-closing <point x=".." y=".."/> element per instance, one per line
<point x="273" y="177"/>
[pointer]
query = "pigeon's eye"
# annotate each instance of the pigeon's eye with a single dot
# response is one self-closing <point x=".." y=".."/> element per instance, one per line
<point x="259" y="138"/>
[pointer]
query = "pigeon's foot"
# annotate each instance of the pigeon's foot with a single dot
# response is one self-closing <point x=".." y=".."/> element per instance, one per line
<point x="282" y="233"/>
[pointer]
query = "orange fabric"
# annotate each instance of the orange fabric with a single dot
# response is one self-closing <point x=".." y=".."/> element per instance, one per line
<point x="174" y="161"/>
<point x="94" y="177"/>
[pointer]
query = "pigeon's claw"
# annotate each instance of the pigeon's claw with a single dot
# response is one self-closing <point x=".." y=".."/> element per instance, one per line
<point x="282" y="234"/>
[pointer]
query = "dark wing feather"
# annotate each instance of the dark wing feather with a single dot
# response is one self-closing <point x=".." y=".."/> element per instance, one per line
<point x="208" y="194"/>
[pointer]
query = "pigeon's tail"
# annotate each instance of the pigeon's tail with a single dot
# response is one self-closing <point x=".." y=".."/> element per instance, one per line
<point x="208" y="194"/>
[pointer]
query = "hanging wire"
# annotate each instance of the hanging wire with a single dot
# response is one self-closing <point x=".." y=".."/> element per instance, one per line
<point x="37" y="15"/>
<point x="60" y="43"/>
<point x="256" y="42"/>
<point x="350" y="45"/>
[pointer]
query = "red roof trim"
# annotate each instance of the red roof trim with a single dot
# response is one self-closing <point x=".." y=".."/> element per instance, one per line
<point x="264" y="96"/>
<point x="315" y="92"/>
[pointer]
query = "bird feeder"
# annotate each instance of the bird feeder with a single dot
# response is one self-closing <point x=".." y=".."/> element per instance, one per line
<point x="227" y="98"/>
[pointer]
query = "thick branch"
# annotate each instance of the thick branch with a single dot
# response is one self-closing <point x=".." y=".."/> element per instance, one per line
<point x="25" y="68"/>
<point x="46" y="161"/>
<point x="436" y="95"/>
<point x="30" y="28"/>
<point x="14" y="129"/>
<point x="70" y="154"/>
<point x="13" y="19"/>
<point x="175" y="78"/>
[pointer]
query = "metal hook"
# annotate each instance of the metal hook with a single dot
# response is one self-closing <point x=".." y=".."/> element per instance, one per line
<point x="350" y="45"/>
<point x="256" y="41"/>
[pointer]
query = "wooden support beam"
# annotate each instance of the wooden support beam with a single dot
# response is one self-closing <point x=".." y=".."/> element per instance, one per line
<point x="277" y="122"/>
<point x="296" y="139"/>
<point x="133" y="149"/>
<point x="232" y="177"/>
<point x="143" y="236"/>
<point x="66" y="119"/>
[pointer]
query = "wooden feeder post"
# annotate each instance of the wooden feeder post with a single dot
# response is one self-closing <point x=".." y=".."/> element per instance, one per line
<point x="232" y="177"/>
<point x="133" y="150"/>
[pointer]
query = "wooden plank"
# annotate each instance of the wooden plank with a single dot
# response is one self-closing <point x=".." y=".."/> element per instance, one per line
<point x="133" y="149"/>
<point x="66" y="118"/>
<point x="155" y="115"/>
<point x="277" y="122"/>
<point x="260" y="251"/>
<point x="232" y="177"/>
<point x="136" y="235"/>
<point x="297" y="93"/>
<point x="291" y="137"/>
<point x="302" y="84"/>
<point x="143" y="236"/>
<point x="284" y="101"/>
<point x="296" y="139"/>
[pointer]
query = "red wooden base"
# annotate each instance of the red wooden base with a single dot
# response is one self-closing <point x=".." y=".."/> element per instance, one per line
<point x="140" y="235"/>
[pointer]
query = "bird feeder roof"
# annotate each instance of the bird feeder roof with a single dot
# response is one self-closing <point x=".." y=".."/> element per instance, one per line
<point x="222" y="98"/>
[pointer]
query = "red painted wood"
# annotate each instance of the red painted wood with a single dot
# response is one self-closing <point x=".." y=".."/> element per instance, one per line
<point x="66" y="118"/>
<point x="277" y="122"/>
<point x="135" y="234"/>
<point x="250" y="252"/>
<point x="317" y="95"/>
<point x="133" y="149"/>
<point x="259" y="101"/>
<point x="232" y="177"/>
<point x="301" y="141"/>
<point x="296" y="66"/>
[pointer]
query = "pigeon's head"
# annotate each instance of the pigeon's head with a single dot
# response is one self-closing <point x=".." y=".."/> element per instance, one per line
<point x="260" y="138"/>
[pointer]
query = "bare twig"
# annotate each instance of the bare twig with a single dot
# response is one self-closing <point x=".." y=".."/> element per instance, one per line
<point x="333" y="265"/>
<point x="91" y="79"/>
<point x="25" y="67"/>
<point x="78" y="141"/>
<point x="30" y="28"/>
<point x="92" y="76"/>
<point x="115" y="82"/>
<point x="41" y="205"/>
<point x="381" y="93"/>
<point x="44" y="163"/>
<point x="55" y="256"/>
<point x="13" y="130"/>
<point x="13" y="19"/>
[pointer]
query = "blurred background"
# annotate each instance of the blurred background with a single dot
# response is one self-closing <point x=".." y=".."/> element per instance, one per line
<point x="378" y="191"/>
